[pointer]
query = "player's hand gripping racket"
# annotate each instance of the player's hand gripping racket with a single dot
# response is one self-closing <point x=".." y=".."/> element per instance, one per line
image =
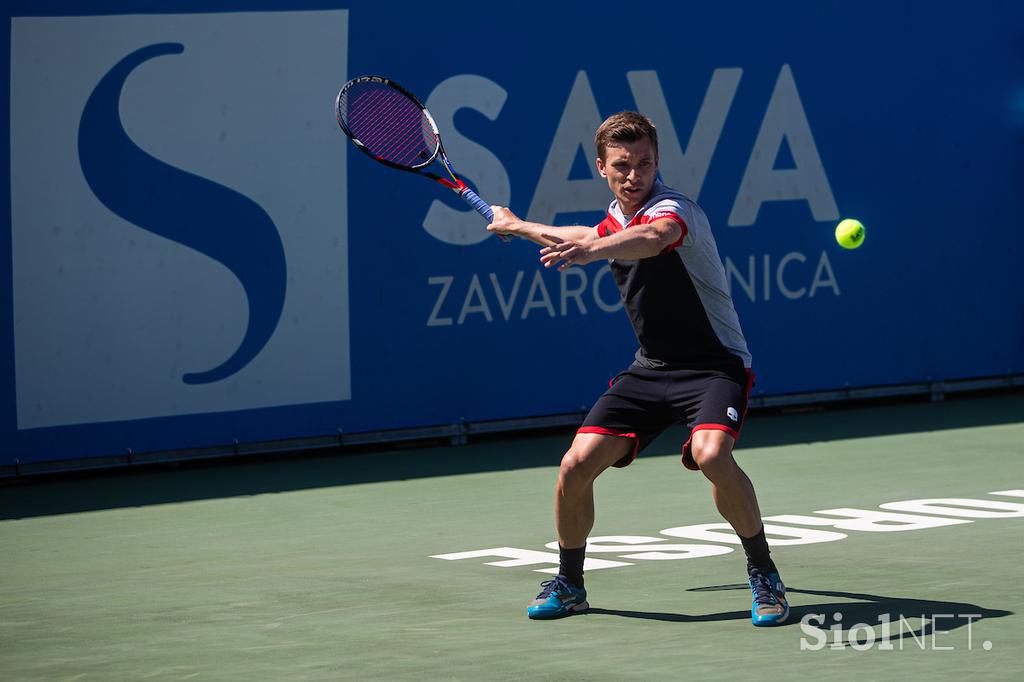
<point x="387" y="122"/>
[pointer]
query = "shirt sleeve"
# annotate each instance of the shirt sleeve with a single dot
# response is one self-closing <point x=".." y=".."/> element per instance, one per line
<point x="671" y="210"/>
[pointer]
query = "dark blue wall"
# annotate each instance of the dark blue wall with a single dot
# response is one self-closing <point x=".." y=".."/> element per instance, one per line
<point x="237" y="223"/>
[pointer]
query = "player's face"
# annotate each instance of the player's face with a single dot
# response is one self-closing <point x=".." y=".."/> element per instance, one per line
<point x="630" y="168"/>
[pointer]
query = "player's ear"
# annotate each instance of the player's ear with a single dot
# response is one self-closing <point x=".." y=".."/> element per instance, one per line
<point x="600" y="167"/>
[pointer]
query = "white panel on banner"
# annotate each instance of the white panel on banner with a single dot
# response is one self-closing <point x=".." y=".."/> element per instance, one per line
<point x="237" y="297"/>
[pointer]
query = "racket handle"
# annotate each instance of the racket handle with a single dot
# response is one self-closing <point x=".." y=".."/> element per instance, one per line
<point x="482" y="207"/>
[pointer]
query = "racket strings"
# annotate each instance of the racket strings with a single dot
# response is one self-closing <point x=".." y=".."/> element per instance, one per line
<point x="390" y="125"/>
<point x="393" y="135"/>
<point x="380" y="113"/>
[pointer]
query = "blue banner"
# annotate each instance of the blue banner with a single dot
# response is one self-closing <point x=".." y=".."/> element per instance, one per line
<point x="198" y="257"/>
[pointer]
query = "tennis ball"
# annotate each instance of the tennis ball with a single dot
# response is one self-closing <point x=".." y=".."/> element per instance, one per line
<point x="850" y="233"/>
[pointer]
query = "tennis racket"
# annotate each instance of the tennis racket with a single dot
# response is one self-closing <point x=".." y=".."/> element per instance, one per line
<point x="388" y="123"/>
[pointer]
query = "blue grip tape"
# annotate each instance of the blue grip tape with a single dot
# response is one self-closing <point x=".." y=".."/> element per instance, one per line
<point x="482" y="207"/>
<point x="479" y="204"/>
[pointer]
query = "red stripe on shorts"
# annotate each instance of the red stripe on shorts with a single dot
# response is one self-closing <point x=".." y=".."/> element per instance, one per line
<point x="622" y="434"/>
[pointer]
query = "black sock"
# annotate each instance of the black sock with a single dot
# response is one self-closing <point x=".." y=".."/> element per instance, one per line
<point x="570" y="564"/>
<point x="757" y="552"/>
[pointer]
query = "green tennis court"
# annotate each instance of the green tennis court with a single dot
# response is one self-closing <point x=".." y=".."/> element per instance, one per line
<point x="325" y="568"/>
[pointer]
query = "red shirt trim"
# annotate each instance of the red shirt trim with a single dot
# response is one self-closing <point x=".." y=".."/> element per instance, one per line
<point x="661" y="215"/>
<point x="610" y="226"/>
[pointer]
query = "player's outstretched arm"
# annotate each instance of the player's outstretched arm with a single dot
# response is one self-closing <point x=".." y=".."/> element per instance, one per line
<point x="639" y="241"/>
<point x="506" y="222"/>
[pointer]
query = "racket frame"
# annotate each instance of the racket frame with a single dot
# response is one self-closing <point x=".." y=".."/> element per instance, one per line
<point x="455" y="183"/>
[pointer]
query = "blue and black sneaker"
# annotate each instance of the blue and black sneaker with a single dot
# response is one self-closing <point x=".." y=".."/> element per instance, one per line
<point x="557" y="598"/>
<point x="770" y="606"/>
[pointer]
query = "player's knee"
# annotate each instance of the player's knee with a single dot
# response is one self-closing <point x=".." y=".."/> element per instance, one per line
<point x="571" y="465"/>
<point x="713" y="457"/>
<point x="573" y="471"/>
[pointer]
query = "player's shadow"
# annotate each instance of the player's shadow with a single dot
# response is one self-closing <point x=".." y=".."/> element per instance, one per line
<point x="906" y="618"/>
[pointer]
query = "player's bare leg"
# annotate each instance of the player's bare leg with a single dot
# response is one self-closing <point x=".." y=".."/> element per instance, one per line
<point x="730" y="487"/>
<point x="737" y="503"/>
<point x="589" y="455"/>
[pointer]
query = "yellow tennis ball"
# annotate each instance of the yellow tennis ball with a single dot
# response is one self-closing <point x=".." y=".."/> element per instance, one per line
<point x="850" y="233"/>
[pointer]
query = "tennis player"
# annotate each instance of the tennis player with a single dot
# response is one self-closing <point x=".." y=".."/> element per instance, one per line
<point x="692" y="366"/>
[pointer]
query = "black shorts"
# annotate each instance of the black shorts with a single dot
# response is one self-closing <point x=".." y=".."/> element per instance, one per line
<point x="641" y="403"/>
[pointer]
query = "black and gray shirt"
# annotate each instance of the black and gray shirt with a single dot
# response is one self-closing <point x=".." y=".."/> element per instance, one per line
<point x="678" y="301"/>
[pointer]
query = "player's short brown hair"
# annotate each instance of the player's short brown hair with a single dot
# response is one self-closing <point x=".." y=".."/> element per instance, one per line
<point x="625" y="126"/>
